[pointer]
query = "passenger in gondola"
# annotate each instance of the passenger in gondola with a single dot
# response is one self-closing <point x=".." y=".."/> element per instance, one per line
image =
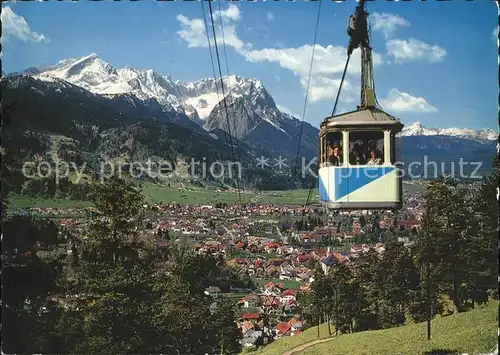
<point x="357" y="155"/>
<point x="373" y="158"/>
<point x="335" y="157"/>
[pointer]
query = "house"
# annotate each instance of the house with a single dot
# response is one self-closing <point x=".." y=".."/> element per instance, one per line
<point x="296" y="325"/>
<point x="246" y="326"/>
<point x="283" y="328"/>
<point x="328" y="262"/>
<point x="249" y="301"/>
<point x="356" y="249"/>
<point x="251" y="338"/>
<point x="302" y="258"/>
<point x="250" y="316"/>
<point x="212" y="291"/>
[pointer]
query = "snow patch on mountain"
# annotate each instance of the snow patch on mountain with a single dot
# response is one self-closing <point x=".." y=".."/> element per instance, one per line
<point x="204" y="103"/>
<point x="195" y="99"/>
<point x="417" y="129"/>
<point x="99" y="77"/>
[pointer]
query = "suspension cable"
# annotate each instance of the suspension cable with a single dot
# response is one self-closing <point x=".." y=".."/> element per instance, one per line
<point x="341" y="82"/>
<point x="307" y="94"/>
<point x="227" y="70"/>
<point x="224" y="43"/>
<point x="213" y="68"/>
<point x="224" y="95"/>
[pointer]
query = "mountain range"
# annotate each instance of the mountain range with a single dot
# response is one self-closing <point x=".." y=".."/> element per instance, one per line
<point x="416" y="129"/>
<point x="87" y="108"/>
<point x="254" y="114"/>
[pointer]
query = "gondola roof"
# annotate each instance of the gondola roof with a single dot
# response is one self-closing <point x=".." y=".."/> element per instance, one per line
<point x="363" y="118"/>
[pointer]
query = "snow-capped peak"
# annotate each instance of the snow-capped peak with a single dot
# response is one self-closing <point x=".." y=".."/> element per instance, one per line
<point x="203" y="95"/>
<point x="196" y="99"/>
<point x="417" y="129"/>
<point x="100" y="77"/>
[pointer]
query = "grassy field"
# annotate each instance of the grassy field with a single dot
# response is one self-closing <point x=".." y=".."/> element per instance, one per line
<point x="156" y="193"/>
<point x="24" y="201"/>
<point x="472" y="332"/>
<point x="280" y="346"/>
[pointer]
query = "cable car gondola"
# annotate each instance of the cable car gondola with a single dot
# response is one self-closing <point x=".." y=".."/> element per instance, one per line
<point x="358" y="153"/>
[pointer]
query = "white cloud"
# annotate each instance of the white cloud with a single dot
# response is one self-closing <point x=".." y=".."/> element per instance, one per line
<point x="387" y="23"/>
<point x="270" y="16"/>
<point x="413" y="49"/>
<point x="325" y="88"/>
<point x="495" y="34"/>
<point x="327" y="60"/>
<point x="328" y="66"/>
<point x="403" y="102"/>
<point x="16" y="26"/>
<point x="194" y="33"/>
<point x="231" y="13"/>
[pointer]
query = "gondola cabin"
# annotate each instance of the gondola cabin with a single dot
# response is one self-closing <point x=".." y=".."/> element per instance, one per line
<point x="358" y="153"/>
<point x="358" y="161"/>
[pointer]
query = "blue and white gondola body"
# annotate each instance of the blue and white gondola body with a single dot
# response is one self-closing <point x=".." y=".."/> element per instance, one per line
<point x="360" y="187"/>
<point x="351" y="186"/>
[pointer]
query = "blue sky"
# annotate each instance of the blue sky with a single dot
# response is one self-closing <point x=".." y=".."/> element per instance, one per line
<point x="435" y="62"/>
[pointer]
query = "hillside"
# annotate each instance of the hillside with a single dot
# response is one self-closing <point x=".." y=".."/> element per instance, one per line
<point x="54" y="119"/>
<point x="473" y="332"/>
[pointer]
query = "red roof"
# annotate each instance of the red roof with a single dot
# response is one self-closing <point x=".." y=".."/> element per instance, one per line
<point x="283" y="327"/>
<point x="289" y="293"/>
<point x="251" y="316"/>
<point x="272" y="245"/>
<point x="302" y="258"/>
<point x="270" y="284"/>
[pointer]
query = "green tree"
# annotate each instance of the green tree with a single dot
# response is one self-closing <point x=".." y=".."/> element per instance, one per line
<point x="368" y="277"/>
<point x="228" y="334"/>
<point x="444" y="243"/>
<point x="483" y="261"/>
<point x="399" y="282"/>
<point x="346" y="304"/>
<point x="114" y="274"/>
<point x="29" y="315"/>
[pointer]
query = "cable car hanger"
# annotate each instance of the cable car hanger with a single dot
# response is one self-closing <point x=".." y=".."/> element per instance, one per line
<point x="357" y="30"/>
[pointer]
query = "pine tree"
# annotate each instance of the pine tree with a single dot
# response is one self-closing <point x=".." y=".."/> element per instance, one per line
<point x="368" y="281"/>
<point x="29" y="315"/>
<point x="399" y="283"/>
<point x="483" y="261"/>
<point x="115" y="274"/>
<point x="347" y="305"/>
<point x="444" y="241"/>
<point x="228" y="334"/>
